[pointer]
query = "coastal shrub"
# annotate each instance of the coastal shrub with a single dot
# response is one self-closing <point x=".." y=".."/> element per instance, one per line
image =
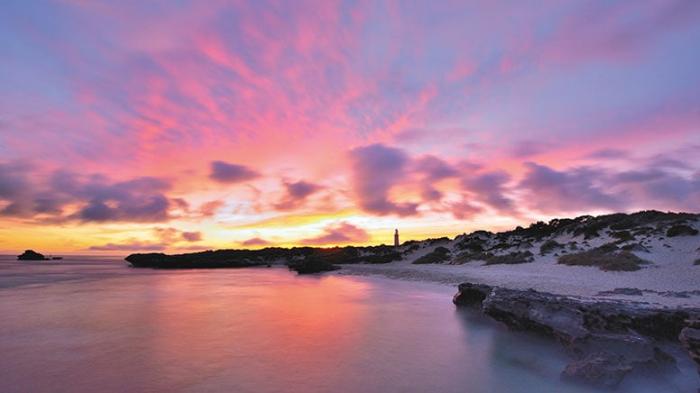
<point x="410" y="248"/>
<point x="385" y="257"/>
<point x="474" y="245"/>
<point x="622" y="236"/>
<point x="510" y="259"/>
<point x="608" y="247"/>
<point x="697" y="262"/>
<point x="468" y="256"/>
<point x="500" y="246"/>
<point x="338" y="255"/>
<point x="635" y="247"/>
<point x="605" y="259"/>
<point x="549" y="246"/>
<point x="681" y="230"/>
<point x="437" y="240"/>
<point x="311" y="265"/>
<point x="438" y="255"/>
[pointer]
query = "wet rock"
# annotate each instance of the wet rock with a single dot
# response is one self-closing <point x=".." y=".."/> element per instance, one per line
<point x="536" y="311"/>
<point x="471" y="294"/>
<point x="606" y="339"/>
<point x="690" y="339"/>
<point x="601" y="369"/>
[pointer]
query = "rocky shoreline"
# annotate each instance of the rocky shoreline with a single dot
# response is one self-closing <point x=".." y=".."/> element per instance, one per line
<point x="607" y="340"/>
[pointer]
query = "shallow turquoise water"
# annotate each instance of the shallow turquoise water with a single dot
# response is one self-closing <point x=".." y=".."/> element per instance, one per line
<point x="85" y="325"/>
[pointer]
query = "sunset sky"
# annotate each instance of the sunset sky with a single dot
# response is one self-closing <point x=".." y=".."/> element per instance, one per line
<point x="187" y="125"/>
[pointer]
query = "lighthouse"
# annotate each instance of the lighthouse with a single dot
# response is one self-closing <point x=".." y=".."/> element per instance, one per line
<point x="396" y="237"/>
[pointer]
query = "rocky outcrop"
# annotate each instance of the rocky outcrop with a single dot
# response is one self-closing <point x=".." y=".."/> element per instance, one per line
<point x="606" y="339"/>
<point x="31" y="255"/>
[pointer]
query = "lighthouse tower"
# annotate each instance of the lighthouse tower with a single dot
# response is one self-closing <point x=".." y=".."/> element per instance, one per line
<point x="396" y="237"/>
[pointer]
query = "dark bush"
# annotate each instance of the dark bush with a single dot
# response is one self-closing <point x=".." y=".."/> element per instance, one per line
<point x="474" y="245"/>
<point x="385" y="257"/>
<point x="605" y="259"/>
<point x="433" y="241"/>
<point x="635" y="247"/>
<point x="311" y="265"/>
<point x="468" y="256"/>
<point x="681" y="230"/>
<point x="622" y="236"/>
<point x="549" y="246"/>
<point x="697" y="262"/>
<point x="510" y="259"/>
<point x="438" y="255"/>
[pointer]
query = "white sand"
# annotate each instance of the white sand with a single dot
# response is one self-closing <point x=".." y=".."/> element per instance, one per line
<point x="672" y="269"/>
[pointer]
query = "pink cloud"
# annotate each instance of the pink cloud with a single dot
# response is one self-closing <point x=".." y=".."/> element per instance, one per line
<point x="342" y="233"/>
<point x="256" y="241"/>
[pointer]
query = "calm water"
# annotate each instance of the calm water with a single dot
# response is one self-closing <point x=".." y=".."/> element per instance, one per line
<point x="86" y="325"/>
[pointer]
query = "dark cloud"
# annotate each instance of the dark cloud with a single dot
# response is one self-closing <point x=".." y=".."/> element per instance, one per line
<point x="375" y="170"/>
<point x="224" y="172"/>
<point x="256" y="241"/>
<point x="295" y="194"/>
<point x="342" y="233"/>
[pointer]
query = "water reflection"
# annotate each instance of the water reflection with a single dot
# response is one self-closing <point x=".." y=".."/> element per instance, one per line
<point x="112" y="329"/>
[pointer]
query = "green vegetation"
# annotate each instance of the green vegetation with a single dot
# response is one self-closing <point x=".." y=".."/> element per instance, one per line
<point x="622" y="236"/>
<point x="510" y="259"/>
<point x="681" y="230"/>
<point x="438" y="255"/>
<point x="606" y="257"/>
<point x="467" y="256"/>
<point x="311" y="265"/>
<point x="549" y="246"/>
<point x="473" y="245"/>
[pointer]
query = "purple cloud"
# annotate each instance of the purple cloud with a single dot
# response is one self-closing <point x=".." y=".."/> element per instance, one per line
<point x="98" y="199"/>
<point x="338" y="234"/>
<point x="552" y="191"/>
<point x="491" y="188"/>
<point x="192" y="236"/>
<point x="224" y="172"/>
<point x="256" y="241"/>
<point x="295" y="194"/>
<point x="375" y="170"/>
<point x="608" y="154"/>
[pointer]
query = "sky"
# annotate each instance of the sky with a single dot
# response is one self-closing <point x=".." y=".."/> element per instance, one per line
<point x="179" y="126"/>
